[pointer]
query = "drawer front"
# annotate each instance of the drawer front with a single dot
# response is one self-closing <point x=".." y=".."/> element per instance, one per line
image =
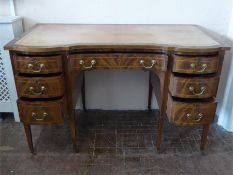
<point x="40" y="87"/>
<point x="46" y="112"/>
<point x="195" y="64"/>
<point x="182" y="113"/>
<point x="37" y="65"/>
<point x="119" y="61"/>
<point x="194" y="87"/>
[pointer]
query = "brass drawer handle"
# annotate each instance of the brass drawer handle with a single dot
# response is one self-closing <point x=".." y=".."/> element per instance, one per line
<point x="39" y="118"/>
<point x="39" y="66"/>
<point x="197" y="119"/>
<point x="192" y="89"/>
<point x="203" y="67"/>
<point x="142" y="62"/>
<point x="33" y="92"/>
<point x="82" y="63"/>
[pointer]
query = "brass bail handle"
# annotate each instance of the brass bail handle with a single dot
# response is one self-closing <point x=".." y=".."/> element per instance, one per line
<point x="33" y="67"/>
<point x="203" y="67"/>
<point x="33" y="92"/>
<point x="196" y="119"/>
<point x="92" y="63"/>
<point x="142" y="62"/>
<point x="39" y="118"/>
<point x="194" y="92"/>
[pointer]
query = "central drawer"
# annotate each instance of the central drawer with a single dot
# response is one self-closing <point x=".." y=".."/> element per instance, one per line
<point x="40" y="87"/>
<point x="119" y="61"/>
<point x="42" y="112"/>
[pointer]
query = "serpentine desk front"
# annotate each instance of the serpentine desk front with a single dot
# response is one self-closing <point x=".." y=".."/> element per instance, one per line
<point x="184" y="64"/>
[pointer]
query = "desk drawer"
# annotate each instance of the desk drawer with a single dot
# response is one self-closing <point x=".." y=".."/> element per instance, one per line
<point x="119" y="61"/>
<point x="45" y="112"/>
<point x="194" y="87"/>
<point x="40" y="87"/>
<point x="37" y="64"/>
<point x="195" y="64"/>
<point x="187" y="113"/>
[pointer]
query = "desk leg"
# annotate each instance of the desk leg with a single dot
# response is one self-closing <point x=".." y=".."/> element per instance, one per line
<point x="83" y="93"/>
<point x="73" y="130"/>
<point x="73" y="86"/>
<point x="204" y="136"/>
<point x="150" y="92"/>
<point x="28" y="133"/>
<point x="164" y="83"/>
<point x="160" y="132"/>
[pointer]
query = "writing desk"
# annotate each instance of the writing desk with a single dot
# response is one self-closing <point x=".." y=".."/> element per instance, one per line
<point x="184" y="63"/>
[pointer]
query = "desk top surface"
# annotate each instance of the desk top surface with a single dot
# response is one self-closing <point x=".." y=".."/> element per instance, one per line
<point x="71" y="35"/>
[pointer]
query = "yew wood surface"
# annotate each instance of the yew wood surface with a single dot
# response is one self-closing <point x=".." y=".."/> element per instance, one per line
<point x="61" y="47"/>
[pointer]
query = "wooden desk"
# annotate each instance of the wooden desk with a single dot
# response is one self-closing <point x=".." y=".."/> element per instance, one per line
<point x="184" y="63"/>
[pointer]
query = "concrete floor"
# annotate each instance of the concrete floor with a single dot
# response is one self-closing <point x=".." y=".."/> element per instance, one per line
<point x="114" y="143"/>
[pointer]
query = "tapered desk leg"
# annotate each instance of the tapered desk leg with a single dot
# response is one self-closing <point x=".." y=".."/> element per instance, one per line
<point x="73" y="130"/>
<point x="150" y="92"/>
<point x="164" y="83"/>
<point x="83" y="93"/>
<point x="204" y="136"/>
<point x="28" y="133"/>
<point x="73" y="86"/>
<point x="160" y="132"/>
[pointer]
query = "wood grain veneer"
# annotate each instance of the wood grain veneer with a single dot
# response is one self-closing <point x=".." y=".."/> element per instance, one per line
<point x="187" y="113"/>
<point x="39" y="64"/>
<point x="40" y="87"/>
<point x="183" y="64"/>
<point x="54" y="110"/>
<point x="193" y="87"/>
<point x="119" y="61"/>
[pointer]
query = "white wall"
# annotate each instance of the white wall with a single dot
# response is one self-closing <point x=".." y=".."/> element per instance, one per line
<point x="7" y="7"/>
<point x="4" y="7"/>
<point x="225" y="107"/>
<point x="131" y="94"/>
<point x="214" y="14"/>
